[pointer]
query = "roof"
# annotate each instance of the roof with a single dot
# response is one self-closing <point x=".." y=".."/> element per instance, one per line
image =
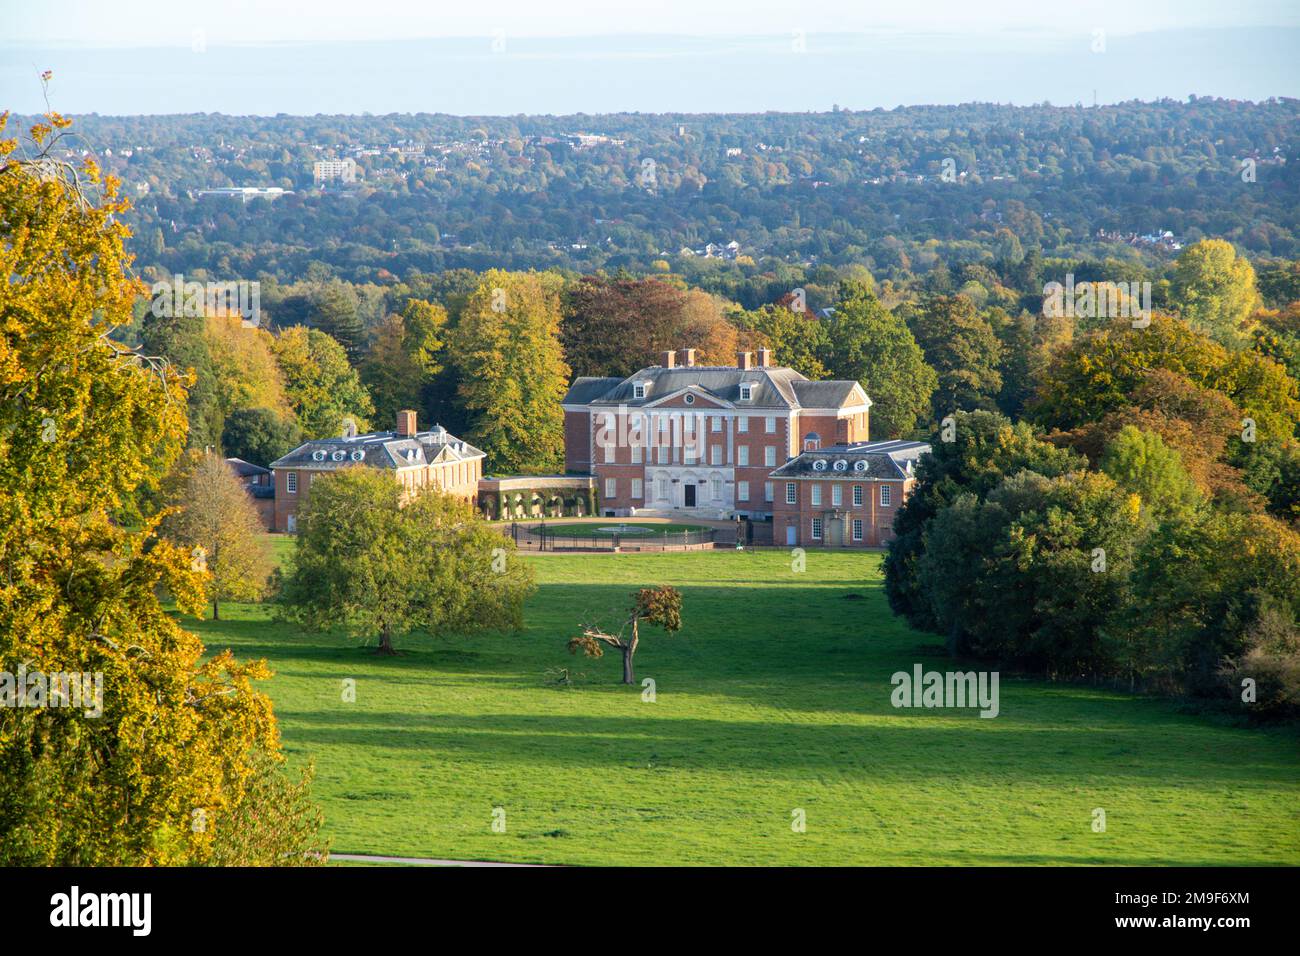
<point x="246" y="469"/>
<point x="380" y="450"/>
<point x="872" y="460"/>
<point x="772" y="387"/>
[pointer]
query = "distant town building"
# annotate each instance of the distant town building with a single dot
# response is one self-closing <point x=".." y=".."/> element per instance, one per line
<point x="246" y="192"/>
<point x="335" y="170"/>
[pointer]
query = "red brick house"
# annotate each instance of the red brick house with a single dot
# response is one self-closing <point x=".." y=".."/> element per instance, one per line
<point x="417" y="459"/>
<point x="844" y="496"/>
<point x="705" y="440"/>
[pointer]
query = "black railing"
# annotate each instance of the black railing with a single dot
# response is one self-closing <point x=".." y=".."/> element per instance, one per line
<point x="643" y="538"/>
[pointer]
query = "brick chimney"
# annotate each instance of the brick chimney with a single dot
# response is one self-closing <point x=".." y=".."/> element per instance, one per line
<point x="688" y="358"/>
<point x="744" y="361"/>
<point x="764" y="358"/>
<point x="406" y="422"/>
<point x="668" y="359"/>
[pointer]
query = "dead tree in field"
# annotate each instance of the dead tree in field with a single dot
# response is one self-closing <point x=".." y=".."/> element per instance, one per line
<point x="660" y="606"/>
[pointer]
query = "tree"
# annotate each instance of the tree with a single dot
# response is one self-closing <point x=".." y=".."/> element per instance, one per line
<point x="405" y="359"/>
<point x="335" y="309"/>
<point x="83" y="423"/>
<point x="1142" y="463"/>
<point x="322" y="387"/>
<point x="1214" y="289"/>
<point x="871" y="346"/>
<point x="799" y="340"/>
<point x="216" y="522"/>
<point x="962" y="348"/>
<point x="378" y="565"/>
<point x="512" y="371"/>
<point x="259" y="435"/>
<point x="661" y="606"/>
<point x="611" y="327"/>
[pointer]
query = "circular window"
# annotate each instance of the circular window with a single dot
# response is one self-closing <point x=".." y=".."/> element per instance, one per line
<point x="860" y="465"/>
<point x="841" y="465"/>
<point x="690" y="399"/>
<point x="339" y="456"/>
<point x="318" y="456"/>
<point x="819" y="464"/>
<point x="358" y="455"/>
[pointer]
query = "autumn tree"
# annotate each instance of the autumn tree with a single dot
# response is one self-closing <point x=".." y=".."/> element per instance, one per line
<point x="1214" y="289"/>
<point x="216" y="522"/>
<point x="960" y="345"/>
<point x="84" y="422"/>
<point x="512" y="371"/>
<point x="661" y="607"/>
<point x="321" y="386"/>
<point x="405" y="359"/>
<point x="381" y="566"/>
<point x="799" y="340"/>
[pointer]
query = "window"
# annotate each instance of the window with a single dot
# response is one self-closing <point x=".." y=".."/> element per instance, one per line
<point x="791" y="493"/>
<point x="609" y="450"/>
<point x="742" y="455"/>
<point x="816" y="495"/>
<point x="742" y="423"/>
<point x="769" y="456"/>
<point x="885" y="493"/>
<point x="716" y="424"/>
<point x="611" y="487"/>
<point x="857" y="495"/>
<point x="768" y="491"/>
<point x="637" y="488"/>
<point x="716" y="488"/>
<point x="663" y="488"/>
<point x="638" y="390"/>
<point x="636" y="453"/>
<point x="715" y="455"/>
<point x="742" y="491"/>
<point x="770" y="425"/>
<point x="817" y="529"/>
<point x="291" y="482"/>
<point x="857" y="529"/>
<point x="837" y="498"/>
<point x="746" y="392"/>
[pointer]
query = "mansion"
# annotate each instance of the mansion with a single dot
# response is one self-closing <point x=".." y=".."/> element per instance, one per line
<point x="742" y="441"/>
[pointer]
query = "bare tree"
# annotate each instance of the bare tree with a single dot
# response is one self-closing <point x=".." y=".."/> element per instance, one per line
<point x="661" y="606"/>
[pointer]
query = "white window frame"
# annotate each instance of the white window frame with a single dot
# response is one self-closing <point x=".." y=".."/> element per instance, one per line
<point x="715" y="488"/>
<point x="746" y="391"/>
<point x="816" y="529"/>
<point x="291" y="482"/>
<point x="791" y="493"/>
<point x="715" y="423"/>
<point x="769" y="491"/>
<point x="611" y="488"/>
<point x="638" y="489"/>
<point x="638" y="390"/>
<point x="742" y="456"/>
<point x="742" y="423"/>
<point x="715" y="454"/>
<point x="816" y="495"/>
<point x="742" y="491"/>
<point x="769" y="456"/>
<point x="886" y="496"/>
<point x="837" y="496"/>
<point x="857" y="529"/>
<point x="857" y="496"/>
<point x="769" y="425"/>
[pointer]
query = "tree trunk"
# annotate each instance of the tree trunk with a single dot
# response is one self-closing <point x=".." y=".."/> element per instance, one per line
<point x="386" y="641"/>
<point x="216" y="610"/>
<point x="628" y="677"/>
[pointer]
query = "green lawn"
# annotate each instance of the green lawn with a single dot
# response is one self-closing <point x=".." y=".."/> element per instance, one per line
<point x="773" y="697"/>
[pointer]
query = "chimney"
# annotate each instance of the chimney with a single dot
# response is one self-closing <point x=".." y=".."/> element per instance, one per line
<point x="688" y="358"/>
<point x="744" y="361"/>
<point x="406" y="422"/>
<point x="668" y="359"/>
<point x="764" y="358"/>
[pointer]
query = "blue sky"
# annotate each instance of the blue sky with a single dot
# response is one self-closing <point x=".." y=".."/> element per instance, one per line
<point x="508" y="56"/>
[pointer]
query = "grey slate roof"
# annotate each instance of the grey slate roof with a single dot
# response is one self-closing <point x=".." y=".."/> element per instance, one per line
<point x="379" y="450"/>
<point x="246" y="469"/>
<point x="773" y="387"/>
<point x="881" y="460"/>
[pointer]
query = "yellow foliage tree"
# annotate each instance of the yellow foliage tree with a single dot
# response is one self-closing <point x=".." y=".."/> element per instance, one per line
<point x="165" y="754"/>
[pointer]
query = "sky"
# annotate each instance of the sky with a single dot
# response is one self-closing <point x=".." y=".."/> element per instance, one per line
<point x="565" y="56"/>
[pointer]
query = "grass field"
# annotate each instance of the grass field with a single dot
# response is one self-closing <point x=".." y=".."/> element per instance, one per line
<point x="774" y="697"/>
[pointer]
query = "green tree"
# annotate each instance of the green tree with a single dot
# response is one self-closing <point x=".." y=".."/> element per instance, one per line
<point x="960" y="345"/>
<point x="799" y="341"/>
<point x="378" y="565"/>
<point x="512" y="371"/>
<point x="405" y="359"/>
<point x="874" y="347"/>
<point x="1142" y="463"/>
<point x="661" y="606"/>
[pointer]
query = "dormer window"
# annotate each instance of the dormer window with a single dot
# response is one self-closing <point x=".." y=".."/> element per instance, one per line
<point x="640" y="389"/>
<point x="746" y="391"/>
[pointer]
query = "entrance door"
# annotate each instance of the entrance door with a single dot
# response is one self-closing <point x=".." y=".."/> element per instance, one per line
<point x="790" y="532"/>
<point x="690" y="495"/>
<point x="835" y="532"/>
